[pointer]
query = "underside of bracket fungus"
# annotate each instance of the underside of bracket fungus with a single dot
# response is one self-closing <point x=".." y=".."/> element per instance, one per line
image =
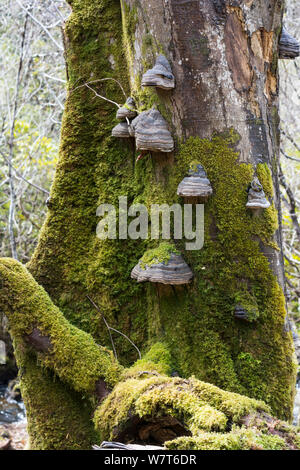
<point x="160" y="75"/>
<point x="196" y="184"/>
<point x="173" y="272"/>
<point x="289" y="47"/>
<point x="127" y="110"/>
<point x="256" y="197"/>
<point x="121" y="130"/>
<point x="151" y="132"/>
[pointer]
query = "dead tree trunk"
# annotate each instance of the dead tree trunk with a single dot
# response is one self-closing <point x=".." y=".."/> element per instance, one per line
<point x="223" y="114"/>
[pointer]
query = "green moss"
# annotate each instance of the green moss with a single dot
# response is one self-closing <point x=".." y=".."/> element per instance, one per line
<point x="28" y="306"/>
<point x="57" y="417"/>
<point x="249" y="304"/>
<point x="157" y="360"/>
<point x="195" y="322"/>
<point x="197" y="405"/>
<point x="130" y="19"/>
<point x="239" y="439"/>
<point x="161" y="254"/>
<point x="265" y="177"/>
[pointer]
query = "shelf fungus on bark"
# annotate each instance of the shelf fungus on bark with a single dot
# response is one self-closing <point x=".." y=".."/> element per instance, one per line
<point x="151" y="132"/>
<point x="257" y="200"/>
<point x="241" y="313"/>
<point x="174" y="271"/>
<point x="196" y="184"/>
<point x="289" y="47"/>
<point x="121" y="130"/>
<point x="127" y="110"/>
<point x="160" y="75"/>
<point x="249" y="313"/>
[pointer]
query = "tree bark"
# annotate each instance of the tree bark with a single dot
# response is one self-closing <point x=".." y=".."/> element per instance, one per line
<point x="223" y="113"/>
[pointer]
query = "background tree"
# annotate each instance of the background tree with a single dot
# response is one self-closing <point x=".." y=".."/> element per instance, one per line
<point x="32" y="94"/>
<point x="228" y="47"/>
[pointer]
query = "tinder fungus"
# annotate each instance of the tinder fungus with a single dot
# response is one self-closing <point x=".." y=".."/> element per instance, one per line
<point x="175" y="271"/>
<point x="288" y="46"/>
<point x="121" y="130"/>
<point x="151" y="132"/>
<point x="196" y="184"/>
<point x="241" y="313"/>
<point x="127" y="110"/>
<point x="160" y="75"/>
<point x="256" y="197"/>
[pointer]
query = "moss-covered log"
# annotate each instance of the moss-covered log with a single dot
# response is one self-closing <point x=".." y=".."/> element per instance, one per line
<point x="65" y="374"/>
<point x="63" y="371"/>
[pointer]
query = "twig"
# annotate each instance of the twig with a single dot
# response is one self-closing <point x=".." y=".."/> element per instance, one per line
<point x="102" y="97"/>
<point x="11" y="215"/>
<point x="289" y="157"/>
<point x="120" y="333"/>
<point x="291" y="140"/>
<point x="102" y="80"/>
<point x="24" y="179"/>
<point x="110" y="328"/>
<point x="41" y="25"/>
<point x="292" y="202"/>
<point x="106" y="324"/>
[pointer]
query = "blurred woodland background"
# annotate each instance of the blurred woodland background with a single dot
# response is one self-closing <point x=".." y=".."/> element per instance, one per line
<point x="32" y="94"/>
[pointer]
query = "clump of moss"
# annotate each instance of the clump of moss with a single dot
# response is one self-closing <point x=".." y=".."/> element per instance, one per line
<point x="199" y="406"/>
<point x="161" y="254"/>
<point x="157" y="360"/>
<point x="265" y="177"/>
<point x="238" y="439"/>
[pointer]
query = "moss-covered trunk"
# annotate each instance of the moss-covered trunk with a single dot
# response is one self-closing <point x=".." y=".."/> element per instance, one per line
<point x="224" y="114"/>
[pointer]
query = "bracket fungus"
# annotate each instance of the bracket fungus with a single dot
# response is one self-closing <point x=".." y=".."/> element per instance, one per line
<point x="196" y="184"/>
<point x="160" y="75"/>
<point x="127" y="110"/>
<point x="256" y="197"/>
<point x="289" y="47"/>
<point x="121" y="130"/>
<point x="175" y="271"/>
<point x="246" y="312"/>
<point x="151" y="132"/>
<point x="241" y="313"/>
